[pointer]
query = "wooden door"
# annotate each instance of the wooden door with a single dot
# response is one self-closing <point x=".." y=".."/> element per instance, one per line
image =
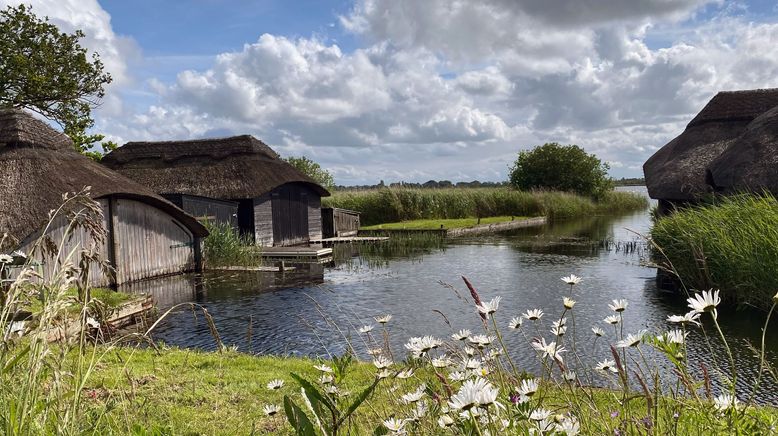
<point x="290" y="215"/>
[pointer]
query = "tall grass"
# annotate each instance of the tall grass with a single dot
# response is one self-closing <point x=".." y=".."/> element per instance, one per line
<point x="225" y="247"/>
<point x="391" y="205"/>
<point x="730" y="245"/>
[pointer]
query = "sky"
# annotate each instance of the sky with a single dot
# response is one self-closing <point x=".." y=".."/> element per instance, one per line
<point x="408" y="90"/>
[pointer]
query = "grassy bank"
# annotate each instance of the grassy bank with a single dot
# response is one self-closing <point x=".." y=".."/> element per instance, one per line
<point x="434" y="224"/>
<point x="730" y="245"/>
<point x="394" y="205"/>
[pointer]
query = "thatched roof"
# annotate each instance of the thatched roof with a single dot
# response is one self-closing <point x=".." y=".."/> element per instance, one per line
<point x="239" y="167"/>
<point x="751" y="162"/>
<point x="677" y="171"/>
<point x="38" y="165"/>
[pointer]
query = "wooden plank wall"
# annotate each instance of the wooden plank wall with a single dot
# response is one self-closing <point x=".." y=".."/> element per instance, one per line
<point x="149" y="242"/>
<point x="72" y="247"/>
<point x="346" y="223"/>
<point x="210" y="209"/>
<point x="263" y="221"/>
<point x="314" y="215"/>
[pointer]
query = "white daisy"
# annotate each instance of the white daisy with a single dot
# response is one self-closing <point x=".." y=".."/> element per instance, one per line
<point x="271" y="409"/>
<point x="612" y="319"/>
<point x="383" y="319"/>
<point x="445" y="421"/>
<point x="549" y="349"/>
<point x="275" y="384"/>
<point x="539" y="414"/>
<point x="332" y="390"/>
<point x="375" y="351"/>
<point x="394" y="424"/>
<point x="569" y="426"/>
<point x="528" y="387"/>
<point x="516" y="323"/>
<point x="470" y="351"/>
<point x="441" y="362"/>
<point x="533" y="314"/>
<point x="457" y="376"/>
<point x="326" y="379"/>
<point x="558" y="330"/>
<point x="5" y="258"/>
<point x="384" y="373"/>
<point x="323" y="368"/>
<point x="688" y="318"/>
<point x="382" y="362"/>
<point x="474" y="393"/>
<point x="673" y="337"/>
<point x="569" y="376"/>
<point x="705" y="302"/>
<point x="725" y="401"/>
<point x="414" y="396"/>
<point x="481" y="341"/>
<point x="606" y="365"/>
<point x="568" y="303"/>
<point x="366" y="328"/>
<point x="632" y="340"/>
<point x="421" y="345"/>
<point x="488" y="308"/>
<point x="571" y="280"/>
<point x="619" y="305"/>
<point x="461" y="335"/>
<point x="406" y="373"/>
<point x="597" y="331"/>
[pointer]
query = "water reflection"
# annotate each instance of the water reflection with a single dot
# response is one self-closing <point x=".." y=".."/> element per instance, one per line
<point x="316" y="310"/>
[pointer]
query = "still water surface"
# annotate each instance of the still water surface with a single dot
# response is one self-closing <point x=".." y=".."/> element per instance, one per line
<point x="316" y="310"/>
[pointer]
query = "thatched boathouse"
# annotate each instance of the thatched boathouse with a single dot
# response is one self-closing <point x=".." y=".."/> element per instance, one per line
<point x="147" y="236"/>
<point x="729" y="146"/>
<point x="240" y="176"/>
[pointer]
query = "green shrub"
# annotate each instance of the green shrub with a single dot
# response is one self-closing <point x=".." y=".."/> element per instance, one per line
<point x="225" y="247"/>
<point x="730" y="245"/>
<point x="565" y="168"/>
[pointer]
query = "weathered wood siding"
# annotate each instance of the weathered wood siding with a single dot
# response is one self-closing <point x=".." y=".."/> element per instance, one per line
<point x="314" y="215"/>
<point x="263" y="221"/>
<point x="207" y="209"/>
<point x="79" y="239"/>
<point x="148" y="242"/>
<point x="339" y="222"/>
<point x="287" y="215"/>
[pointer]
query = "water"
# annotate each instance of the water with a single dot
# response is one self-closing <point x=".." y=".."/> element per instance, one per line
<point x="315" y="310"/>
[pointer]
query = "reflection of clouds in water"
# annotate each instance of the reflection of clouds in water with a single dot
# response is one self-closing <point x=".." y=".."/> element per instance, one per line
<point x="295" y="317"/>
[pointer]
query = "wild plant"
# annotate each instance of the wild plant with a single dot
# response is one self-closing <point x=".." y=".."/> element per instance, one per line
<point x="469" y="384"/>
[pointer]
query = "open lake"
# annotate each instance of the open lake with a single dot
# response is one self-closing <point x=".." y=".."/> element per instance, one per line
<point x="316" y="309"/>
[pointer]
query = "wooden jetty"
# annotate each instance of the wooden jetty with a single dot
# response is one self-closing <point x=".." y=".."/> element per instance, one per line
<point x="346" y="239"/>
<point x="296" y="252"/>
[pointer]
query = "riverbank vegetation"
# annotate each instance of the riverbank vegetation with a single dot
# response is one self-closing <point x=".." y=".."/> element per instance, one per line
<point x="435" y="224"/>
<point x="224" y="246"/>
<point x="730" y="244"/>
<point x="394" y="205"/>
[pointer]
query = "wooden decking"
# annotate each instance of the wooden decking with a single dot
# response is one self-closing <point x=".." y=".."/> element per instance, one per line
<point x="296" y="252"/>
<point x="350" y="239"/>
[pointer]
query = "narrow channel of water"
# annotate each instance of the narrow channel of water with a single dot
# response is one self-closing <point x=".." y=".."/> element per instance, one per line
<point x="315" y="310"/>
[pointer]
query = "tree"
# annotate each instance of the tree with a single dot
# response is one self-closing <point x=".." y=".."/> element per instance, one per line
<point x="312" y="170"/>
<point x="562" y="168"/>
<point x="47" y="71"/>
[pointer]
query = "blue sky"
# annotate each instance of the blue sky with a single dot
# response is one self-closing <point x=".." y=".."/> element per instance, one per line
<point x="407" y="90"/>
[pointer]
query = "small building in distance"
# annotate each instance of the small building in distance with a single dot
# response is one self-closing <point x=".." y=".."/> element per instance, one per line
<point x="240" y="176"/>
<point x="729" y="146"/>
<point x="146" y="236"/>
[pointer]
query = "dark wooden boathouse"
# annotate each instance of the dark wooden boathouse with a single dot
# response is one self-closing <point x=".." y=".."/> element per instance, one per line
<point x="238" y="176"/>
<point x="146" y="236"/>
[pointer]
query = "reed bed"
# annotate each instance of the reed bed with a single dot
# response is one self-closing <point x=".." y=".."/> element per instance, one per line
<point x="731" y="244"/>
<point x="224" y="246"/>
<point x="379" y="206"/>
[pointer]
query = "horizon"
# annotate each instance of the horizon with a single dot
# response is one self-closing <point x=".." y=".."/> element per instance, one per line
<point x="395" y="90"/>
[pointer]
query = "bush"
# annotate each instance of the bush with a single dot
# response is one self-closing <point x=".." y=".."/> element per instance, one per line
<point x="730" y="245"/>
<point x="561" y="168"/>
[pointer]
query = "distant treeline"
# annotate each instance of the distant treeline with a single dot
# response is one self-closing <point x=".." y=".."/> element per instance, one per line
<point x="435" y="184"/>
<point x="630" y="181"/>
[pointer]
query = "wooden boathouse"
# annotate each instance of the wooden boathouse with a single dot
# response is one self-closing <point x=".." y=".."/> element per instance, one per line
<point x="146" y="236"/>
<point x="239" y="176"/>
